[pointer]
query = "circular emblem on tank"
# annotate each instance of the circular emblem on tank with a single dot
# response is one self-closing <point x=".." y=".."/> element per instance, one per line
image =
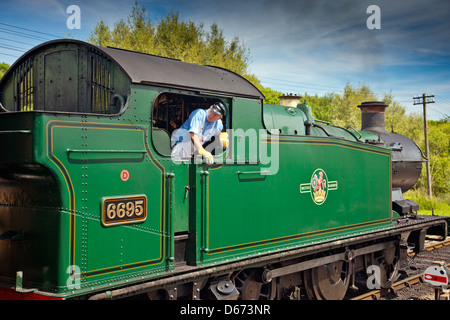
<point x="319" y="189"/>
<point x="318" y="186"/>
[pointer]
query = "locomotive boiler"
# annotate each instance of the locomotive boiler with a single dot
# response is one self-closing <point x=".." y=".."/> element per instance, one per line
<point x="92" y="205"/>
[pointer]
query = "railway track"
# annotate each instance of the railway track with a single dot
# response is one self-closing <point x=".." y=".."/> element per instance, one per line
<point x="410" y="285"/>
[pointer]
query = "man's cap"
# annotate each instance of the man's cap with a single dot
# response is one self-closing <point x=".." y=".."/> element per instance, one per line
<point x="219" y="108"/>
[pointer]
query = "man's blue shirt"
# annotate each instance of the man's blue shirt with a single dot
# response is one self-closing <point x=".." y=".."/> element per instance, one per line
<point x="198" y="124"/>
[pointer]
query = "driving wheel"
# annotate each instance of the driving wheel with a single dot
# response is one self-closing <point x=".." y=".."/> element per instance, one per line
<point x="328" y="282"/>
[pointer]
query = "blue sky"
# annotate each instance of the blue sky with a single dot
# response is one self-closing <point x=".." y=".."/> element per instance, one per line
<point x="295" y="46"/>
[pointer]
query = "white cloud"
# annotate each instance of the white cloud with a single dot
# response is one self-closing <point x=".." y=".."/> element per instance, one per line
<point x="320" y="43"/>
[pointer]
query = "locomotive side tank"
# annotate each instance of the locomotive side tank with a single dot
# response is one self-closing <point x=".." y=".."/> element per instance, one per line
<point x="93" y="206"/>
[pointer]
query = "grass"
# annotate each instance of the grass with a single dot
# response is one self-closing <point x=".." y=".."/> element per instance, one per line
<point x="440" y="204"/>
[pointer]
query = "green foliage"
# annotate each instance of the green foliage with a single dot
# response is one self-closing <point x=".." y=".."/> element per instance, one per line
<point x="321" y="106"/>
<point x="173" y="38"/>
<point x="344" y="108"/>
<point x="271" y="96"/>
<point x="3" y="68"/>
<point x="439" y="205"/>
<point x="439" y="146"/>
<point x="184" y="40"/>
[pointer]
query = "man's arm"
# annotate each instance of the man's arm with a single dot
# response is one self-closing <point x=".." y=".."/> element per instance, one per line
<point x="195" y="140"/>
<point x="206" y="155"/>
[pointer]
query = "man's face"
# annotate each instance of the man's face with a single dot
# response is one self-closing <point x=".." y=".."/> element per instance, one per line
<point x="212" y="116"/>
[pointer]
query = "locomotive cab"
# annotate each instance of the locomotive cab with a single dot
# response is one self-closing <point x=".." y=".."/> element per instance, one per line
<point x="85" y="165"/>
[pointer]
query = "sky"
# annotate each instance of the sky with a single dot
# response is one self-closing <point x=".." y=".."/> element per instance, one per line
<point x="295" y="46"/>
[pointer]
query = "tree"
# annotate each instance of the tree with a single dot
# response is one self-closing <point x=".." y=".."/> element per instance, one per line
<point x="344" y="108"/>
<point x="3" y="68"/>
<point x="173" y="38"/>
<point x="321" y="107"/>
<point x="271" y="96"/>
<point x="439" y="143"/>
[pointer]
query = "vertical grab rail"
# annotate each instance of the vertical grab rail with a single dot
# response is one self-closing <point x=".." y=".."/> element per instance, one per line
<point x="204" y="212"/>
<point x="170" y="236"/>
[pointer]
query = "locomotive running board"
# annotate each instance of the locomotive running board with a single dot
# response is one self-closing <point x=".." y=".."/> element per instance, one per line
<point x="402" y="227"/>
<point x="348" y="255"/>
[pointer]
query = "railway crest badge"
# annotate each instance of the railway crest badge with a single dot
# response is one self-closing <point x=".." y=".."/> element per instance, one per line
<point x="319" y="186"/>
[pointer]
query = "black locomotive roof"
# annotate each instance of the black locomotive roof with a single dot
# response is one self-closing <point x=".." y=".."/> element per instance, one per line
<point x="149" y="69"/>
<point x="145" y="68"/>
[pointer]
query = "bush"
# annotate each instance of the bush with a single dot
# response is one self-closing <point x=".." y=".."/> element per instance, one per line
<point x="440" y="204"/>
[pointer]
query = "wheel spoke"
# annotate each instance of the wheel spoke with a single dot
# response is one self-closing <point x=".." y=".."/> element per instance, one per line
<point x="251" y="289"/>
<point x="388" y="262"/>
<point x="328" y="282"/>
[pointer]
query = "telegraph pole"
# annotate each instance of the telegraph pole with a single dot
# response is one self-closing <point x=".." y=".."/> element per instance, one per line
<point x="423" y="100"/>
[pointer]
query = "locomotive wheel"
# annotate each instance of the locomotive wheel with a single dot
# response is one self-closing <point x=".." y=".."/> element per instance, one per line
<point x="328" y="282"/>
<point x="388" y="262"/>
<point x="251" y="289"/>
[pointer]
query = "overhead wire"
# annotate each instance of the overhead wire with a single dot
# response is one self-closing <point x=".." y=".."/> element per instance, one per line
<point x="302" y="85"/>
<point x="441" y="105"/>
<point x="9" y="55"/>
<point x="287" y="84"/>
<point x="280" y="84"/>
<point x="16" y="41"/>
<point x="299" y="83"/>
<point x="30" y="30"/>
<point x="13" y="48"/>
<point x="443" y="101"/>
<point x="24" y="33"/>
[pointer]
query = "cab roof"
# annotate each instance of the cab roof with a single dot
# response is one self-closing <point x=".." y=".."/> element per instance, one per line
<point x="155" y="70"/>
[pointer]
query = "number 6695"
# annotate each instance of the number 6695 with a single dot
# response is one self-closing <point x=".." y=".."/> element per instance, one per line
<point x="124" y="210"/>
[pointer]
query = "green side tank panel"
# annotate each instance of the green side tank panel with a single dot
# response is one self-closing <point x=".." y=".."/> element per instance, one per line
<point x="323" y="194"/>
<point x="304" y="181"/>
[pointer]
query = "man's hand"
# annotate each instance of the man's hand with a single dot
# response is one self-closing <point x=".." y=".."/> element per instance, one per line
<point x="223" y="138"/>
<point x="209" y="159"/>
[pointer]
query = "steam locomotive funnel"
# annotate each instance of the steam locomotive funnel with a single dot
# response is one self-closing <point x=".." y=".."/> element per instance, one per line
<point x="406" y="154"/>
<point x="372" y="116"/>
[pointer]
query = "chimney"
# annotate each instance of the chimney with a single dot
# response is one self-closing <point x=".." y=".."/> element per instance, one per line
<point x="372" y="116"/>
<point x="289" y="100"/>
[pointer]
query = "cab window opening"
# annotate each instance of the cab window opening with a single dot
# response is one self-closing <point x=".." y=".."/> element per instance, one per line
<point x="170" y="111"/>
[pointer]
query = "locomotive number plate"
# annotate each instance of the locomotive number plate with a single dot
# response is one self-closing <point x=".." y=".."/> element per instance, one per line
<point x="124" y="210"/>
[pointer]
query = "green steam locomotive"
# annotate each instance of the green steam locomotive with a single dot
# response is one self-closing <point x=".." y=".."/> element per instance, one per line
<point x="93" y="205"/>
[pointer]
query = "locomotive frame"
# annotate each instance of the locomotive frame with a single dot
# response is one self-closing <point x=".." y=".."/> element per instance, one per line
<point x="92" y="205"/>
